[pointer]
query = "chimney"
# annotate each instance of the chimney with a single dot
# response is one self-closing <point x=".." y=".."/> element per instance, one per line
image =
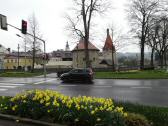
<point x="108" y="32"/>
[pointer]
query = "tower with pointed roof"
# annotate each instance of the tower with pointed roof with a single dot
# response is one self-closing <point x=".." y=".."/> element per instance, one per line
<point x="79" y="55"/>
<point x="109" y="52"/>
<point x="67" y="47"/>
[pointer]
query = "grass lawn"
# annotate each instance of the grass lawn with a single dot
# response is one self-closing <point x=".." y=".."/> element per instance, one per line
<point x="19" y="74"/>
<point x="157" y="115"/>
<point x="147" y="74"/>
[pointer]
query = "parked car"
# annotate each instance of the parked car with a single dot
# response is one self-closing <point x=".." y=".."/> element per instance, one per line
<point x="80" y="74"/>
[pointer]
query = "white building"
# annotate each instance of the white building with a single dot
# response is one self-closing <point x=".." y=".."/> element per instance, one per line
<point x="60" y="59"/>
<point x="3" y="52"/>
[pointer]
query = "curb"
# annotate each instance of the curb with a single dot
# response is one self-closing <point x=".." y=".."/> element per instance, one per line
<point x="28" y="121"/>
<point x="134" y="78"/>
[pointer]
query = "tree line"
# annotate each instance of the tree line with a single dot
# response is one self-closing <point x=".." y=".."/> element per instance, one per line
<point x="149" y="21"/>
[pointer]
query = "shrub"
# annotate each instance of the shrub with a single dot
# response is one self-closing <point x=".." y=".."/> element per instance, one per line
<point x="136" y="120"/>
<point x="157" y="115"/>
<point x="55" y="107"/>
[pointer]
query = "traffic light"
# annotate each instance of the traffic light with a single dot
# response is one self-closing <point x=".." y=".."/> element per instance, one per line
<point x="24" y="27"/>
<point x="3" y="22"/>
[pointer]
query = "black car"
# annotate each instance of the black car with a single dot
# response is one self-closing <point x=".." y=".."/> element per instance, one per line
<point x="84" y="75"/>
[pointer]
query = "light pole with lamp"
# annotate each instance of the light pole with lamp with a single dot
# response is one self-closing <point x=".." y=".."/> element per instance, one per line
<point x="25" y="68"/>
<point x="18" y="55"/>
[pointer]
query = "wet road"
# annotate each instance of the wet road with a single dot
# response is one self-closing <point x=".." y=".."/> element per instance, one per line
<point x="150" y="92"/>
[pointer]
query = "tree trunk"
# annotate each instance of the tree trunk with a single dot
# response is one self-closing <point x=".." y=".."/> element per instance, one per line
<point x="87" y="61"/>
<point x="142" y="55"/>
<point x="142" y="44"/>
<point x="152" y="54"/>
<point x="113" y="67"/>
<point x="33" y="62"/>
<point x="161" y="60"/>
<point x="165" y="59"/>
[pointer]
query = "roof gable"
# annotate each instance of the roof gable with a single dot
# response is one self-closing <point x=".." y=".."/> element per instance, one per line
<point x="108" y="43"/>
<point x="81" y="46"/>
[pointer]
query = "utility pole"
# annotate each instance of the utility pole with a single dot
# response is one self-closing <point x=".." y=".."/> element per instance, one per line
<point x="77" y="56"/>
<point x="25" y="68"/>
<point x="18" y="55"/>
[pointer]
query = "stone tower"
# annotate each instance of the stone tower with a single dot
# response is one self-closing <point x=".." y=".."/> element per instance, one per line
<point x="109" y="52"/>
<point x="79" y="55"/>
<point x="67" y="47"/>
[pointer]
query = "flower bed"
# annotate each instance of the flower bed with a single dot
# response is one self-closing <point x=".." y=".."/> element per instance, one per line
<point x="54" y="107"/>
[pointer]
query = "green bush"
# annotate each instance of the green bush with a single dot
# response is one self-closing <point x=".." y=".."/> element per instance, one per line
<point x="54" y="107"/>
<point x="136" y="120"/>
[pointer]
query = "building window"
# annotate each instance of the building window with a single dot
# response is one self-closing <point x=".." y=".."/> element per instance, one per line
<point x="12" y="61"/>
<point x="7" y="61"/>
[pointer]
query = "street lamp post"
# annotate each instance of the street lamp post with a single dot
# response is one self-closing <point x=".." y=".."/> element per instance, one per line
<point x="18" y="55"/>
<point x="25" y="68"/>
<point x="45" y="59"/>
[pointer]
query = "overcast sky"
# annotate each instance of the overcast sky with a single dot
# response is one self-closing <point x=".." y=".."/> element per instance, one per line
<point x="50" y="15"/>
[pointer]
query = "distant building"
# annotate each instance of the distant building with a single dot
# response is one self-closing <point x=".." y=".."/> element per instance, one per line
<point x="60" y="58"/>
<point x="108" y="56"/>
<point x="79" y="55"/>
<point x="3" y="52"/>
<point x="12" y="61"/>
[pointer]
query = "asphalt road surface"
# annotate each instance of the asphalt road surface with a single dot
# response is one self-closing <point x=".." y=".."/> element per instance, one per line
<point x="150" y="92"/>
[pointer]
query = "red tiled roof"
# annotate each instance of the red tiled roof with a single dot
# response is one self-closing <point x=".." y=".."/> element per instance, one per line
<point x="108" y="43"/>
<point x="81" y="46"/>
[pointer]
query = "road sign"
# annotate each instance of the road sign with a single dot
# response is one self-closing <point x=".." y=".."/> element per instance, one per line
<point x="3" y="22"/>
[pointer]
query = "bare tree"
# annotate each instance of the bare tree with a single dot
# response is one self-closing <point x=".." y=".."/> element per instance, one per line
<point x="162" y="39"/>
<point x="32" y="41"/>
<point x="152" y="40"/>
<point x="140" y="13"/>
<point x="81" y="24"/>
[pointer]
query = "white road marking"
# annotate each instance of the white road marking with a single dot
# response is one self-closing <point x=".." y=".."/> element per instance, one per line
<point x="141" y="87"/>
<point x="44" y="81"/>
<point x="7" y="86"/>
<point x="101" y="86"/>
<point x="3" y="89"/>
<point x="67" y="85"/>
<point x="12" y="84"/>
